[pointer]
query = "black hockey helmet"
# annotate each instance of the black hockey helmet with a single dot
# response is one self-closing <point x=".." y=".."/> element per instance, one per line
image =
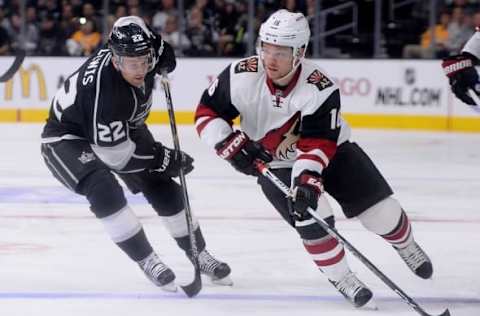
<point x="130" y="37"/>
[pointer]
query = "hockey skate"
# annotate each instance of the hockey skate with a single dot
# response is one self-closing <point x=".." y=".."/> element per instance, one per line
<point x="417" y="260"/>
<point x="353" y="290"/>
<point x="158" y="272"/>
<point x="217" y="271"/>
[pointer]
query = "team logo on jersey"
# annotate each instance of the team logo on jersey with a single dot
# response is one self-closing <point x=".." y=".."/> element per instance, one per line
<point x="86" y="157"/>
<point x="282" y="142"/>
<point x="319" y="80"/>
<point x="287" y="148"/>
<point x="247" y="65"/>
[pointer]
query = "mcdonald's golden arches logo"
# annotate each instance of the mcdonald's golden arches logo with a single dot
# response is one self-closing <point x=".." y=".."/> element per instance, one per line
<point x="25" y="83"/>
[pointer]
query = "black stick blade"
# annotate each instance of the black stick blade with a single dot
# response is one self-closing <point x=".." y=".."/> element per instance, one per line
<point x="195" y="287"/>
<point x="445" y="313"/>
<point x="17" y="62"/>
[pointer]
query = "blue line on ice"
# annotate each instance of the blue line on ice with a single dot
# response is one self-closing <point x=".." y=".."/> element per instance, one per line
<point x="235" y="297"/>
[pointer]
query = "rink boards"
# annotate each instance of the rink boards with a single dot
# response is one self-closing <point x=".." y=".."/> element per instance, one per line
<point x="375" y="93"/>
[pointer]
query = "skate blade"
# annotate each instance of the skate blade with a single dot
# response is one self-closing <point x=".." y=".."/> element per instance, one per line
<point x="170" y="287"/>
<point x="226" y="281"/>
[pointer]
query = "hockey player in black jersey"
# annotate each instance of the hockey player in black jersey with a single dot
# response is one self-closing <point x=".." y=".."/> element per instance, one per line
<point x="96" y="127"/>
<point x="289" y="113"/>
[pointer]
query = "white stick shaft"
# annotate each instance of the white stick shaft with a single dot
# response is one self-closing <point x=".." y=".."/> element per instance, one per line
<point x="474" y="96"/>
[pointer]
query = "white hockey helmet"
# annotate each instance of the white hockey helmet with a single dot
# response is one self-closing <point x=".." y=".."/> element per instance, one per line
<point x="286" y="28"/>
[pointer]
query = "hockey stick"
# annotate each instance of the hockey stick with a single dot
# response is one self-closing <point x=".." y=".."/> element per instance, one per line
<point x="333" y="232"/>
<point x="475" y="99"/>
<point x="193" y="288"/>
<point x="17" y="62"/>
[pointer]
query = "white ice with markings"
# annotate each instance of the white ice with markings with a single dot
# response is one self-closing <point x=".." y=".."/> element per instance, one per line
<point x="55" y="258"/>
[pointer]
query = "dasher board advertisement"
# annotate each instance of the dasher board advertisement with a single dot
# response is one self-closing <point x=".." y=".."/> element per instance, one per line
<point x="374" y="93"/>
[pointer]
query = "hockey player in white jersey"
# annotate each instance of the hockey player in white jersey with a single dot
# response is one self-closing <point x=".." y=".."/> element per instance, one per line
<point x="96" y="128"/>
<point x="289" y="113"/>
<point x="460" y="70"/>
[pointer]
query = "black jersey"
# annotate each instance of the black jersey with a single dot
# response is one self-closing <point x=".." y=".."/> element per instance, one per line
<point x="96" y="104"/>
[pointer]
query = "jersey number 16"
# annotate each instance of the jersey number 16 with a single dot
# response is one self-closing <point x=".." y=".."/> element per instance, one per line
<point x="334" y="119"/>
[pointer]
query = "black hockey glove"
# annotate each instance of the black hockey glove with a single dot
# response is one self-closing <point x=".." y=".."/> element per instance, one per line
<point x="461" y="73"/>
<point x="307" y="190"/>
<point x="169" y="161"/>
<point x="167" y="60"/>
<point x="241" y="152"/>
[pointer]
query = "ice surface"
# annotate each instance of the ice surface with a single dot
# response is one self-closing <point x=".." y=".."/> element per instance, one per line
<point x="55" y="258"/>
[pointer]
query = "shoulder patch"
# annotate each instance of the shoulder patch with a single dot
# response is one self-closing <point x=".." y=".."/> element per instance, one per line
<point x="320" y="80"/>
<point x="247" y="65"/>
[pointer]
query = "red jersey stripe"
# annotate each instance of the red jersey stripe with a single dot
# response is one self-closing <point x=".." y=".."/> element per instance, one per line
<point x="327" y="146"/>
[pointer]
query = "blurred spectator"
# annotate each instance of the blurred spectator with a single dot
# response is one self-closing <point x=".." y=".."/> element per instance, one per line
<point x="90" y="14"/>
<point x="460" y="29"/>
<point x="134" y="8"/>
<point x="50" y="43"/>
<point x="231" y="27"/>
<point x="4" y="38"/>
<point x="211" y="9"/>
<point x="467" y="6"/>
<point x="171" y="34"/>
<point x="160" y="18"/>
<point x="120" y="11"/>
<point x="425" y="49"/>
<point x="68" y="24"/>
<point x="310" y="9"/>
<point x="48" y="8"/>
<point x="226" y="29"/>
<point x="294" y="6"/>
<point x="84" y="41"/>
<point x="201" y="40"/>
<point x="27" y="41"/>
<point x="134" y="11"/>
<point x="476" y="20"/>
<point x="77" y="7"/>
<point x="31" y="15"/>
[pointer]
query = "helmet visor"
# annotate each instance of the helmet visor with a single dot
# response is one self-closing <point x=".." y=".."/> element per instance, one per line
<point x="137" y="64"/>
<point x="275" y="51"/>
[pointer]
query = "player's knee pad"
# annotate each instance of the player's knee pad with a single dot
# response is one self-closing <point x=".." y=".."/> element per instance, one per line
<point x="177" y="224"/>
<point x="103" y="192"/>
<point x="382" y="217"/>
<point x="121" y="225"/>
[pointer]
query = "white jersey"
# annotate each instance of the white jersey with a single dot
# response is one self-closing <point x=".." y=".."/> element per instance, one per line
<point x="300" y="124"/>
<point x="473" y="45"/>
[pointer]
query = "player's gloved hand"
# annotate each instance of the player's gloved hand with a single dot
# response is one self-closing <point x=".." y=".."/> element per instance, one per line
<point x="307" y="190"/>
<point x="461" y="73"/>
<point x="241" y="152"/>
<point x="170" y="161"/>
<point x="167" y="60"/>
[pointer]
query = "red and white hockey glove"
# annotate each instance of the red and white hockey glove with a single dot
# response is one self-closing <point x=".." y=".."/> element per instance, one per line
<point x="307" y="190"/>
<point x="461" y="73"/>
<point x="241" y="152"/>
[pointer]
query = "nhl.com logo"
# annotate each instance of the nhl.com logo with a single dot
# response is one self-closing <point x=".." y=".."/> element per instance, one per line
<point x="410" y="93"/>
<point x="409" y="76"/>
